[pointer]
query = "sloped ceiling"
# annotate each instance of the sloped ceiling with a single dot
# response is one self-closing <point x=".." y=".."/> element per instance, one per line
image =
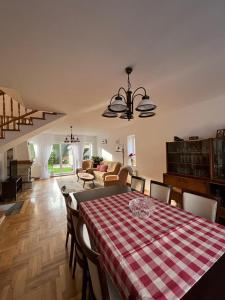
<point x="69" y="56"/>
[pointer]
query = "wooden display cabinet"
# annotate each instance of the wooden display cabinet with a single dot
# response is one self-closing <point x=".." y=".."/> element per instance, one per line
<point x="198" y="166"/>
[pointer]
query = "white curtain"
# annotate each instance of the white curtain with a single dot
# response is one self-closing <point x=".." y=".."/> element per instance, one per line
<point x="74" y="148"/>
<point x="43" y="151"/>
<point x="77" y="151"/>
<point x="131" y="144"/>
<point x="80" y="154"/>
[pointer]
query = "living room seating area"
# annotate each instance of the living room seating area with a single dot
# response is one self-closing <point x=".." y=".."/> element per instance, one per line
<point x="106" y="168"/>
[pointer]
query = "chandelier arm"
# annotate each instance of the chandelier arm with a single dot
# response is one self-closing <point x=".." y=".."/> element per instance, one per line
<point x="141" y="87"/>
<point x="134" y="96"/>
<point x="123" y="89"/>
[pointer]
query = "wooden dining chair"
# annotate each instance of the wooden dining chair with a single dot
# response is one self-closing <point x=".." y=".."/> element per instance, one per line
<point x="70" y="231"/>
<point x="200" y="205"/>
<point x="160" y="191"/>
<point x="79" y="256"/>
<point x="102" y="286"/>
<point x="138" y="184"/>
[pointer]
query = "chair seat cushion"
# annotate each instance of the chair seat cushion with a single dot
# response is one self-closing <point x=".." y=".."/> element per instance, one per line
<point x="111" y="177"/>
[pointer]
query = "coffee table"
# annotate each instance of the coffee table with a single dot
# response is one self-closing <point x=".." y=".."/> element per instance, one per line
<point x="86" y="177"/>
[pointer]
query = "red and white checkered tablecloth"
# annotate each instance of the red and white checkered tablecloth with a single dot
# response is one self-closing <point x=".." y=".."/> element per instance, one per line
<point x="161" y="257"/>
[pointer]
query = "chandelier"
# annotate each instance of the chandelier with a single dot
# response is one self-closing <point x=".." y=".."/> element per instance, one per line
<point x="123" y="102"/>
<point x="70" y="138"/>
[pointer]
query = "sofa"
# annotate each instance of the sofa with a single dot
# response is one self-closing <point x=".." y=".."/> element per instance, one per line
<point x="113" y="169"/>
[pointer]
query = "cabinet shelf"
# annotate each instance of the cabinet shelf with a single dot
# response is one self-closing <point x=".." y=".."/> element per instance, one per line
<point x="183" y="163"/>
<point x="187" y="152"/>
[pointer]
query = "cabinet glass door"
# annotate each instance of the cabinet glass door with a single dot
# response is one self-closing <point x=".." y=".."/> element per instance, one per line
<point x="219" y="158"/>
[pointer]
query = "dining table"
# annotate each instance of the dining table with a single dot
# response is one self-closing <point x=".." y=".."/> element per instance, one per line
<point x="170" y="254"/>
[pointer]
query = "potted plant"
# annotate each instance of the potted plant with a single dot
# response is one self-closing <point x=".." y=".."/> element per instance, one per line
<point x="96" y="160"/>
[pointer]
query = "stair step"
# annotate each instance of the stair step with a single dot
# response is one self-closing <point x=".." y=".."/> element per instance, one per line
<point x="10" y="129"/>
<point x="37" y="118"/>
<point x="49" y="113"/>
<point x="24" y="123"/>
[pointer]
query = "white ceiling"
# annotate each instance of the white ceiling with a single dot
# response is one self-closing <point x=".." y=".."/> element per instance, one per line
<point x="69" y="56"/>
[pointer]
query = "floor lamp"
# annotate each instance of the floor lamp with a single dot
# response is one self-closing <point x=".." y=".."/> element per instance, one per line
<point x="121" y="149"/>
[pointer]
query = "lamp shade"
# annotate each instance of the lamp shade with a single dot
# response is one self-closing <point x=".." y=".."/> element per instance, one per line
<point x="145" y="104"/>
<point x="118" y="105"/>
<point x="109" y="114"/>
<point x="146" y="114"/>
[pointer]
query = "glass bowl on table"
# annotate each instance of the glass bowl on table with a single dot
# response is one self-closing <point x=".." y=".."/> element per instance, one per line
<point x="142" y="207"/>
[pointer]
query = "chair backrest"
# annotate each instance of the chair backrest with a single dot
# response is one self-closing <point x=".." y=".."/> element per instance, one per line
<point x="138" y="184"/>
<point x="98" y="277"/>
<point x="113" y="166"/>
<point x="199" y="205"/>
<point x="160" y="191"/>
<point x="68" y="201"/>
<point x="123" y="174"/>
<point x="87" y="164"/>
<point x="80" y="258"/>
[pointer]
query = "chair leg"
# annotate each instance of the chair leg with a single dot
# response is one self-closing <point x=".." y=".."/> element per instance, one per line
<point x="67" y="238"/>
<point x="71" y="251"/>
<point x="84" y="284"/>
<point x="74" y="263"/>
<point x="91" y="292"/>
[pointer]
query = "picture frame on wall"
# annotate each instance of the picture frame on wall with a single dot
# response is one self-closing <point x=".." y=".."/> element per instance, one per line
<point x="220" y="133"/>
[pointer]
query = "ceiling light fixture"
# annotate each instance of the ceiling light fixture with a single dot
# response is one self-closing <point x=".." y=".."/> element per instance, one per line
<point x="70" y="138"/>
<point x="123" y="102"/>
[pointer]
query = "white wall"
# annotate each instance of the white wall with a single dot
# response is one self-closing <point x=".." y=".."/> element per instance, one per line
<point x="20" y="152"/>
<point x="202" y="119"/>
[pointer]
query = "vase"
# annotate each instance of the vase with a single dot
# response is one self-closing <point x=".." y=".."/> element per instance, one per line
<point x="132" y="162"/>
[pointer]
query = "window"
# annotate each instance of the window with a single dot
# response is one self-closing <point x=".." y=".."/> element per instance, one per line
<point x="87" y="154"/>
<point x="61" y="159"/>
<point x="131" y="150"/>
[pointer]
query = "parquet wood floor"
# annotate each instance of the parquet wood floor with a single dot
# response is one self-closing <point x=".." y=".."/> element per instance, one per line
<point x="33" y="258"/>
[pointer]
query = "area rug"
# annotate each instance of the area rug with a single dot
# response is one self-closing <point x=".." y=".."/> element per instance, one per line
<point x="11" y="209"/>
<point x="72" y="186"/>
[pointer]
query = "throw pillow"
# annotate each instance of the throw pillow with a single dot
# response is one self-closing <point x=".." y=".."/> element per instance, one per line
<point x="103" y="168"/>
<point x="98" y="167"/>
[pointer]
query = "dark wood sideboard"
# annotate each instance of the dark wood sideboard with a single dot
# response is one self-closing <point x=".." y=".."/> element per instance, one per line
<point x="198" y="166"/>
<point x="11" y="187"/>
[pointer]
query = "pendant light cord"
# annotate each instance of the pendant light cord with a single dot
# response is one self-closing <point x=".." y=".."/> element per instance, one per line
<point x="129" y="83"/>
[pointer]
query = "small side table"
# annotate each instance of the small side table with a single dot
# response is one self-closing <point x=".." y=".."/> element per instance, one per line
<point x="86" y="177"/>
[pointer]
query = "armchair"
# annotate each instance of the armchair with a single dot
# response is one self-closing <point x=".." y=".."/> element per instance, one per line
<point x="120" y="179"/>
<point x="86" y="164"/>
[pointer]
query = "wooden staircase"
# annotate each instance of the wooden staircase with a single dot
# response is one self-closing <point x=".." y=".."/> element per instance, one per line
<point x="14" y="115"/>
